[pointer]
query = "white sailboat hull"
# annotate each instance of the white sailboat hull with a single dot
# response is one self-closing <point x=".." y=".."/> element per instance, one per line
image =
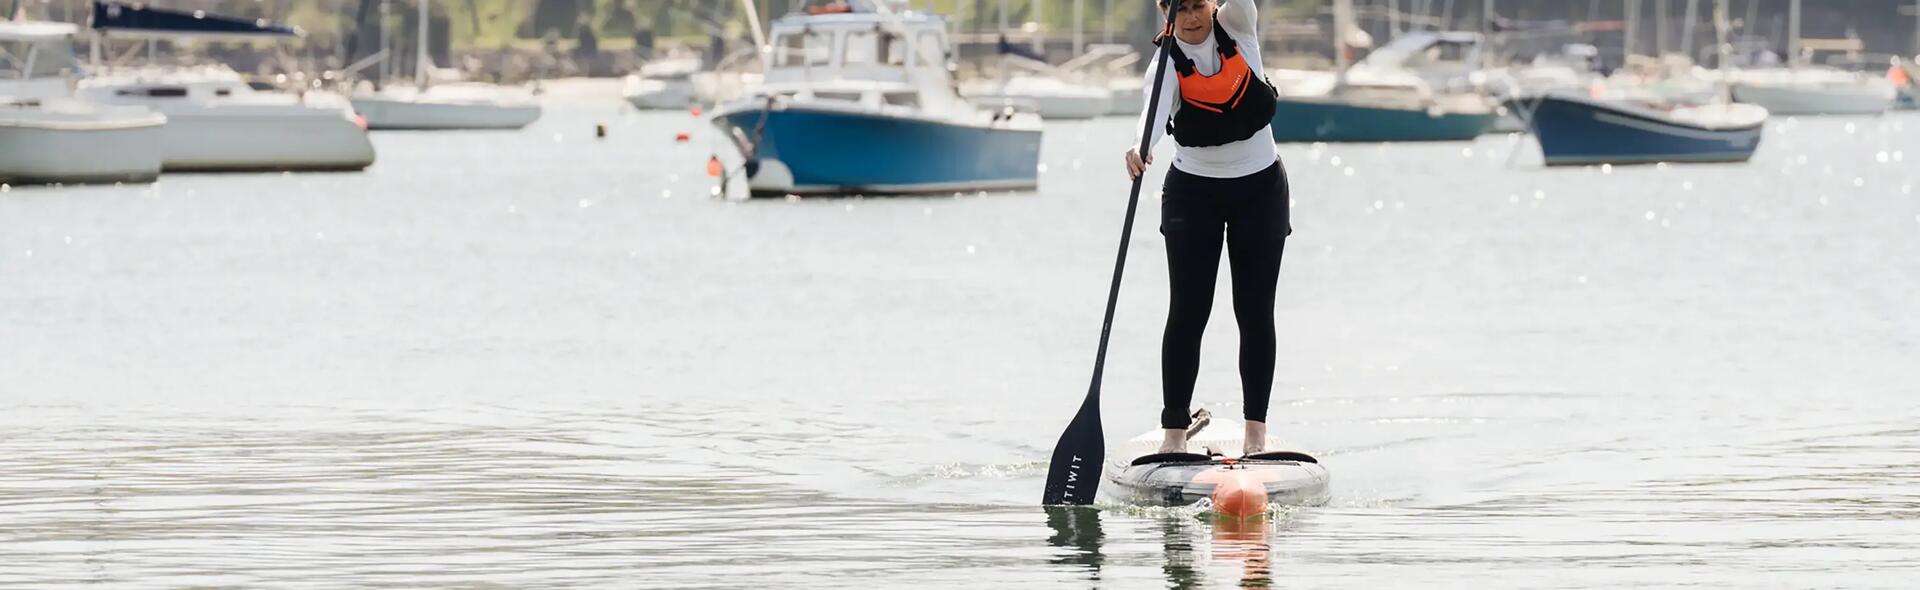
<point x="1049" y="107"/>
<point x="393" y="113"/>
<point x="55" y="147"/>
<point x="1808" y="95"/>
<point x="244" y="139"/>
<point x="647" y="94"/>
<point x="1051" y="99"/>
<point x="216" y="123"/>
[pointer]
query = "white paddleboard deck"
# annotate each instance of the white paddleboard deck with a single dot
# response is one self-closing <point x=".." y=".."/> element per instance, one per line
<point x="1293" y="479"/>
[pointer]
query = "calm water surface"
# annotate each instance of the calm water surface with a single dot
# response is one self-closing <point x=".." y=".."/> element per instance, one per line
<point x="538" y="358"/>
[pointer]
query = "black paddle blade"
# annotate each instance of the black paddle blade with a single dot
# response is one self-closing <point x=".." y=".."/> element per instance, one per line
<point x="1074" y="474"/>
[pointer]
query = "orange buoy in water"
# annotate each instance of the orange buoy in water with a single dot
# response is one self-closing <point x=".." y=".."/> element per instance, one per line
<point x="695" y="111"/>
<point x="713" y="166"/>
<point x="682" y="137"/>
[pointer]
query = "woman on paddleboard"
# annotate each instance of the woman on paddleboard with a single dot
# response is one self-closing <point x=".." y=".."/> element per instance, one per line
<point x="1226" y="186"/>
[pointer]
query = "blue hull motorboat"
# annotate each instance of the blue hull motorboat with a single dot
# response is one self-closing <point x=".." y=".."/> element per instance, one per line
<point x="859" y="100"/>
<point x="814" y="149"/>
<point x="1302" y="119"/>
<point x="1576" y="131"/>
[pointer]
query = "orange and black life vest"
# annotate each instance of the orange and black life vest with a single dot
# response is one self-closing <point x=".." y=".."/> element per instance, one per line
<point x="1231" y="105"/>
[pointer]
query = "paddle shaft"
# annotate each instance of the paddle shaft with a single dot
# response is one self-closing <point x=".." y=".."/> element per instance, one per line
<point x="1073" y="475"/>
<point x="1133" y="203"/>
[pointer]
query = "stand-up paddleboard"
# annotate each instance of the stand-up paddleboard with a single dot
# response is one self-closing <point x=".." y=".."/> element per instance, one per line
<point x="1239" y="487"/>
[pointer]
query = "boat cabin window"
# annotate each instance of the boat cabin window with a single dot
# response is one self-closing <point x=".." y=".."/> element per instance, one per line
<point x="20" y="60"/>
<point x="155" y="92"/>
<point x="858" y="48"/>
<point x="902" y="99"/>
<point x="839" y="96"/>
<point x="222" y="92"/>
<point x="805" y="48"/>
<point x="13" y="59"/>
<point x="930" y="48"/>
<point x="1440" y="53"/>
<point x="893" y="49"/>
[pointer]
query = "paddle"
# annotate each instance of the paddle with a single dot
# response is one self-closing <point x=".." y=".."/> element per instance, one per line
<point x="1074" y="473"/>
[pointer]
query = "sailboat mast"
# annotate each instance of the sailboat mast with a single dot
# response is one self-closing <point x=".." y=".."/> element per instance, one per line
<point x="421" y="61"/>
<point x="1040" y="29"/>
<point x="386" y="63"/>
<point x="1720" y="25"/>
<point x="1342" y="22"/>
<point x="1003" y="18"/>
<point x="1486" y="19"/>
<point x="1686" y="30"/>
<point x="1632" y="29"/>
<point x="1079" y="40"/>
<point x="1106" y="22"/>
<point x="1660" y="31"/>
<point x="1793" y="35"/>
<point x="759" y="34"/>
<point x="1393" y="19"/>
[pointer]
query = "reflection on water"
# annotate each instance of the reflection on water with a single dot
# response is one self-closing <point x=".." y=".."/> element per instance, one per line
<point x="1076" y="530"/>
<point x="544" y="360"/>
<point x="1246" y="542"/>
<point x="1188" y="542"/>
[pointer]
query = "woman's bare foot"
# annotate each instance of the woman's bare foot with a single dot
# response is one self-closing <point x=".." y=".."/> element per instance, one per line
<point x="1175" y="440"/>
<point x="1256" y="438"/>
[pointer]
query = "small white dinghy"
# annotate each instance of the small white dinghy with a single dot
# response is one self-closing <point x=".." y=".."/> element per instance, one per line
<point x="1237" y="487"/>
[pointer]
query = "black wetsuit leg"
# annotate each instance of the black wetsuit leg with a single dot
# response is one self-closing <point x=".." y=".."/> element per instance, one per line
<point x="1249" y="215"/>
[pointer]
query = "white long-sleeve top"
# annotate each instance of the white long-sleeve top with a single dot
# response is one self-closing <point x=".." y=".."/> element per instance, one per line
<point x="1233" y="160"/>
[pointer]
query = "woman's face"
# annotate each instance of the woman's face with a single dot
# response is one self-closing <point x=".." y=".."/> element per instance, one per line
<point x="1195" y="21"/>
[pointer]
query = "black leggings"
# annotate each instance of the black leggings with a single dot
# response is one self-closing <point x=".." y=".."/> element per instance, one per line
<point x="1195" y="212"/>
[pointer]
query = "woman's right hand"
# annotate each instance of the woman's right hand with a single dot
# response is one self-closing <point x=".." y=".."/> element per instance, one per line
<point x="1135" y="164"/>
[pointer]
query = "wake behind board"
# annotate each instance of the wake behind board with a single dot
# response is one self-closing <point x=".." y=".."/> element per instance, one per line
<point x="1237" y="486"/>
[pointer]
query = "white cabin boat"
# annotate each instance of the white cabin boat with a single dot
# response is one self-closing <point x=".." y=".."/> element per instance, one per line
<point x="47" y="135"/>
<point x="430" y="106"/>
<point x="215" y="120"/>
<point x="860" y="101"/>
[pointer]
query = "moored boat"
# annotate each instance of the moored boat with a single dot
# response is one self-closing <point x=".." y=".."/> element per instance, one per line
<point x="861" y="102"/>
<point x="446" y="107"/>
<point x="430" y="106"/>
<point x="1575" y="131"/>
<point x="1801" y="89"/>
<point x="1813" y="91"/>
<point x="663" y="84"/>
<point x="216" y="121"/>
<point x="1051" y="98"/>
<point x="48" y="136"/>
<point x="1383" y="98"/>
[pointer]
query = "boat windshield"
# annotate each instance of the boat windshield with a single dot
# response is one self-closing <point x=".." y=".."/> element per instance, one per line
<point x="19" y="60"/>
<point x="859" y="48"/>
<point x="1441" y="53"/>
<point x="1417" y="52"/>
<point x="804" y="48"/>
